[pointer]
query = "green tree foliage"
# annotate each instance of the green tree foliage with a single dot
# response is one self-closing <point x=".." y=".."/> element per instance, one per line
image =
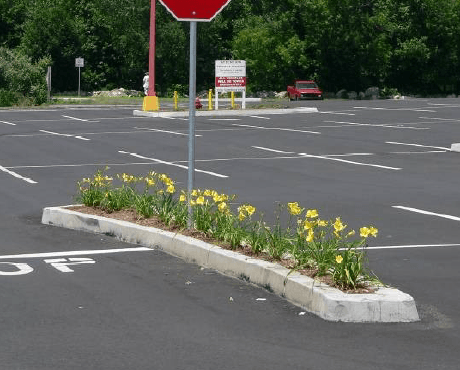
<point x="411" y="45"/>
<point x="21" y="80"/>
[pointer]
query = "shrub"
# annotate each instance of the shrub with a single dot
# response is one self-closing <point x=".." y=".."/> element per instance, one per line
<point x="22" y="80"/>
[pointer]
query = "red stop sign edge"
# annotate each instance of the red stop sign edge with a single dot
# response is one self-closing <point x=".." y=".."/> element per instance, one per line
<point x="197" y="19"/>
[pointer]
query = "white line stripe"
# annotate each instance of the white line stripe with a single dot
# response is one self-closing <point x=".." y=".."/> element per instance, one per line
<point x="165" y="131"/>
<point x="8" y="123"/>
<point x="277" y="128"/>
<point x="224" y="119"/>
<point x="418" y="145"/>
<point x="351" y="162"/>
<point x="345" y="114"/>
<point x="414" y="246"/>
<point x="75" y="253"/>
<point x="272" y="150"/>
<point x="26" y="179"/>
<point x="416" y="210"/>
<point x="172" y="164"/>
<point x="54" y="133"/>
<point x="77" y="119"/>
<point x="382" y="125"/>
<point x="260" y="117"/>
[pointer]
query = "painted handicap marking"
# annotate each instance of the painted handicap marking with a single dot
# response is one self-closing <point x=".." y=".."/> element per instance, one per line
<point x="61" y="261"/>
<point x="62" y="264"/>
<point x="18" y="268"/>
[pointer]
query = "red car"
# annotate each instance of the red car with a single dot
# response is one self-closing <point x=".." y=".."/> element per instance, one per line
<point x="304" y="89"/>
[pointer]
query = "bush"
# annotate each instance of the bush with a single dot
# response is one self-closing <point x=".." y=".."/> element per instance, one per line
<point x="23" y="81"/>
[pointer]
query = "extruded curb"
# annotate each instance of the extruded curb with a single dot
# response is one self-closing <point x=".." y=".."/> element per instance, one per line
<point x="225" y="112"/>
<point x="455" y="147"/>
<point x="385" y="305"/>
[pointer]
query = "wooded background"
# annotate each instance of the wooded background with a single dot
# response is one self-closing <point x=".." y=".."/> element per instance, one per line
<point x="410" y="45"/>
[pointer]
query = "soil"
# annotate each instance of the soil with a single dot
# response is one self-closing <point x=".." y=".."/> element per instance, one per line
<point x="130" y="215"/>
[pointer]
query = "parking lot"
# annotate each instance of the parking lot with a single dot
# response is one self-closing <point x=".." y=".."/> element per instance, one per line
<point x="384" y="163"/>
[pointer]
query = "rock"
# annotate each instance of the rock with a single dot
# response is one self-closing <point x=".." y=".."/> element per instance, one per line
<point x="372" y="93"/>
<point x="342" y="94"/>
<point x="281" y="94"/>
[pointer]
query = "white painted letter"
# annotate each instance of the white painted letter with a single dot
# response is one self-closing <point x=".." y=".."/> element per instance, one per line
<point x="23" y="269"/>
<point x="62" y="264"/>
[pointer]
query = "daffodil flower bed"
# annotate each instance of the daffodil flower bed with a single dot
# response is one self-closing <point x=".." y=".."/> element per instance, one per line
<point x="325" y="248"/>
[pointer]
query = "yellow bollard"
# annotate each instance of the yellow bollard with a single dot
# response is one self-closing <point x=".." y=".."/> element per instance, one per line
<point x="175" y="99"/>
<point x="233" y="100"/>
<point x="151" y="103"/>
<point x="210" y="99"/>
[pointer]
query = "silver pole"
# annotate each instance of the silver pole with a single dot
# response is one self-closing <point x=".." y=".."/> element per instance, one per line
<point x="191" y="132"/>
<point x="79" y="81"/>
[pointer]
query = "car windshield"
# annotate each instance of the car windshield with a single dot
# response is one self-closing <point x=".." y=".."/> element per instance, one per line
<point x="306" y="85"/>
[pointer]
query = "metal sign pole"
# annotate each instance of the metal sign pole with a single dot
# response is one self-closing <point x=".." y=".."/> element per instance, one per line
<point x="191" y="134"/>
<point x="79" y="68"/>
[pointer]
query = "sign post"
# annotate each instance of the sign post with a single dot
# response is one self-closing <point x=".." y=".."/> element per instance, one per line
<point x="151" y="101"/>
<point x="193" y="11"/>
<point x="79" y="63"/>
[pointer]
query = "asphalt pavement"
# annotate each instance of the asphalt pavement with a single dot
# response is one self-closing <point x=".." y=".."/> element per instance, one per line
<point x="72" y="300"/>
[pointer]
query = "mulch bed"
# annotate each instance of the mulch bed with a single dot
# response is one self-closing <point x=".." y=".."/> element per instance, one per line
<point x="130" y="215"/>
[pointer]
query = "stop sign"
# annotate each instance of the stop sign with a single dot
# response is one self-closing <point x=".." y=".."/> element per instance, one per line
<point x="194" y="10"/>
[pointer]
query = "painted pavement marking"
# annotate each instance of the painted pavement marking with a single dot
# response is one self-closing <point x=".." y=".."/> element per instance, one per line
<point x="278" y="128"/>
<point x="421" y="211"/>
<point x="26" y="179"/>
<point x="8" y="123"/>
<point x="172" y="164"/>
<point x="418" y="145"/>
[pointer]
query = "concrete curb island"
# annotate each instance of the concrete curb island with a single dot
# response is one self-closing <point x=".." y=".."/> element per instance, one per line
<point x="385" y="305"/>
<point x="224" y="112"/>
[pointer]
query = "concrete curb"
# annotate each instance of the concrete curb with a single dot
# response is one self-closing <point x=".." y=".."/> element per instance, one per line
<point x="385" y="305"/>
<point x="225" y="112"/>
<point x="455" y="147"/>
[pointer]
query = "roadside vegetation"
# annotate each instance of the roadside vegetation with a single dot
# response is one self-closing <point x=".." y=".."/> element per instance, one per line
<point x="299" y="239"/>
<point x="408" y="46"/>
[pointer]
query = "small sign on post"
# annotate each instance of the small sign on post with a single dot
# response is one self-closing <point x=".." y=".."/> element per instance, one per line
<point x="79" y="63"/>
<point x="231" y="76"/>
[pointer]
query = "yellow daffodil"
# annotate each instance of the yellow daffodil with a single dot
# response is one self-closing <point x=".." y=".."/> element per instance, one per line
<point x="294" y="208"/>
<point x="192" y="202"/>
<point x="364" y="232"/>
<point x="207" y="193"/>
<point x="222" y="207"/>
<point x="312" y="213"/>
<point x="308" y="225"/>
<point x="339" y="259"/>
<point x="351" y="233"/>
<point x="200" y="200"/>
<point x="338" y="225"/>
<point x="373" y="231"/>
<point x="171" y="189"/>
<point x="322" y="223"/>
<point x="182" y="198"/>
<point x="250" y="209"/>
<point x="195" y="192"/>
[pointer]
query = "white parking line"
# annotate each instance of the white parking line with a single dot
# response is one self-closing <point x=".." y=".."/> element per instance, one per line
<point x="272" y="150"/>
<point x="400" y="125"/>
<point x="79" y="119"/>
<point x="164" y="131"/>
<point x="397" y="109"/>
<point x="75" y="253"/>
<point x="8" y="123"/>
<point x="350" y="162"/>
<point x="421" y="211"/>
<point x="342" y="113"/>
<point x="26" y="179"/>
<point x="418" y="145"/>
<point x="260" y="117"/>
<point x="172" y="164"/>
<point x="414" y="246"/>
<point x="79" y="137"/>
<point x="278" y="128"/>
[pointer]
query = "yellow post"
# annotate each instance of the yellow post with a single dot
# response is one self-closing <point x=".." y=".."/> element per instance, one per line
<point x="151" y="103"/>
<point x="175" y="99"/>
<point x="210" y="99"/>
<point x="233" y="100"/>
